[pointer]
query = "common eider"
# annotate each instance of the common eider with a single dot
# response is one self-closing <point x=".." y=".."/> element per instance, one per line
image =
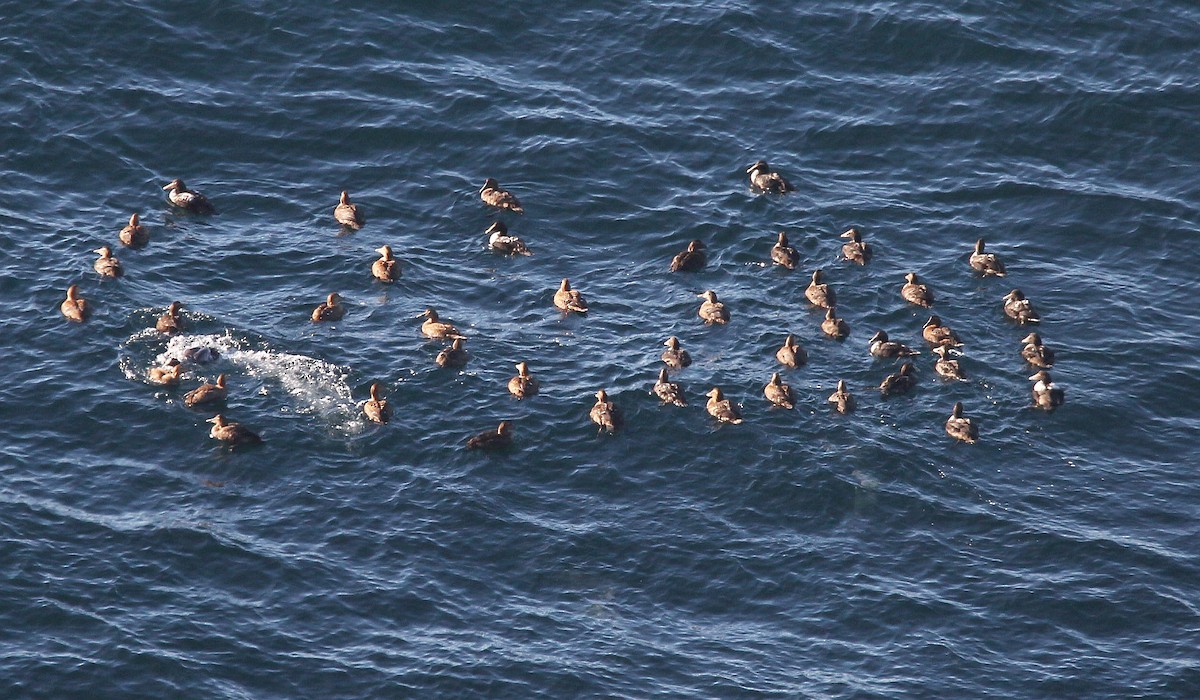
<point x="492" y="439"/>
<point x="674" y="356"/>
<point x="167" y="375"/>
<point x="347" y="214"/>
<point x="762" y="177"/>
<point x="182" y="197"/>
<point x="434" y="327"/>
<point x="377" y="409"/>
<point x="1035" y="353"/>
<point x="916" y="293"/>
<point x="783" y="254"/>
<point x="935" y="333"/>
<point x="790" y="354"/>
<point x="722" y="408"/>
<point x="501" y="242"/>
<point x="946" y="367"/>
<point x="855" y="251"/>
<point x="880" y="346"/>
<point x="231" y="433"/>
<point x="524" y="384"/>
<point x="667" y="391"/>
<point x="898" y="383"/>
<point x="1018" y="308"/>
<point x="960" y="427"/>
<point x="567" y="299"/>
<point x="386" y="268"/>
<point x="106" y="264"/>
<point x="605" y="413"/>
<point x="987" y="263"/>
<point x="1046" y="395"/>
<point x="712" y="311"/>
<point x="492" y="195"/>
<point x="842" y="400"/>
<point x="75" y="308"/>
<point x="690" y="259"/>
<point x="171" y="322"/>
<point x="454" y="356"/>
<point x="134" y="235"/>
<point x="207" y="394"/>
<point x="329" y="310"/>
<point x="819" y="293"/>
<point x="833" y="326"/>
<point x="779" y="393"/>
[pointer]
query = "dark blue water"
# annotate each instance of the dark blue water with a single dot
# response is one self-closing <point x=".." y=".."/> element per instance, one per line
<point x="800" y="554"/>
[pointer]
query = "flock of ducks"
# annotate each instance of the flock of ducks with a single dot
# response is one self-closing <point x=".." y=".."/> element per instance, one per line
<point x="943" y="341"/>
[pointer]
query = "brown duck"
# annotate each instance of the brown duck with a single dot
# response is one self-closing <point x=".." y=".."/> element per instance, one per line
<point x="819" y="293"/>
<point x="935" y="333"/>
<point x="75" y="308"/>
<point x="987" y="263"/>
<point x="783" y="254"/>
<point x="605" y="413"/>
<point x="779" y="393"/>
<point x="1035" y="353"/>
<point x="855" y="251"/>
<point x="329" y="310"/>
<point x="207" y="394"/>
<point x="454" y="356"/>
<point x="567" y="299"/>
<point x="386" y="268"/>
<point x="790" y="354"/>
<point x="106" y="264"/>
<point x="675" y="356"/>
<point x="168" y="375"/>
<point x="842" y="400"/>
<point x="434" y="327"/>
<point x="960" y="427"/>
<point x="492" y="439"/>
<point x="721" y="408"/>
<point x="946" y="367"/>
<point x="493" y="196"/>
<point x="179" y="195"/>
<point x="765" y="179"/>
<point x="914" y="292"/>
<point x="833" y="326"/>
<point x="667" y="391"/>
<point x="231" y="433"/>
<point x="713" y="311"/>
<point x="1019" y="309"/>
<point x="690" y="259"/>
<point x="524" y="384"/>
<point x="377" y="409"/>
<point x="171" y="322"/>
<point x="348" y="214"/>
<point x="900" y="382"/>
<point x="1046" y="395"/>
<point x="134" y="235"/>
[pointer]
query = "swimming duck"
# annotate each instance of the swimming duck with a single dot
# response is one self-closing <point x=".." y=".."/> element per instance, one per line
<point x="764" y="179"/>
<point x="945" y="367"/>
<point x="524" y="384"/>
<point x="377" y="410"/>
<point x="74" y="307"/>
<point x="855" y="251"/>
<point x="784" y="254"/>
<point x="347" y="214"/>
<point x="454" y="356"/>
<point x="567" y="299"/>
<point x="841" y="399"/>
<point x="106" y="264"/>
<point x="833" y="326"/>
<point x="134" y="235"/>
<point x="168" y="375"/>
<point x="434" y="327"/>
<point x="674" y="356"/>
<point x="916" y="293"/>
<point x="880" y="346"/>
<point x="790" y="354"/>
<point x="386" y="268"/>
<point x="779" y="393"/>
<point x="898" y="383"/>
<point x="182" y="197"/>
<point x="1046" y="395"/>
<point x="987" y="263"/>
<point x="667" y="391"/>
<point x="605" y="413"/>
<point x="689" y="260"/>
<point x="819" y="293"/>
<point x="492" y="439"/>
<point x="501" y="242"/>
<point x="960" y="427"/>
<point x="171" y="322"/>
<point x="713" y="311"/>
<point x="722" y="408"/>
<point x="231" y="433"/>
<point x="201" y="355"/>
<point x="1035" y="353"/>
<point x="937" y="334"/>
<point x="329" y="310"/>
<point x="1018" y="308"/>
<point x="493" y="196"/>
<point x="207" y="394"/>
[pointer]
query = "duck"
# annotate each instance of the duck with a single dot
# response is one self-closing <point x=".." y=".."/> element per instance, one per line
<point x="763" y="178"/>
<point x="690" y="259"/>
<point x="674" y="356"/>
<point x="960" y="427"/>
<point x="454" y="356"/>
<point x="106" y="264"/>
<point x="167" y="375"/>
<point x="783" y="254"/>
<point x="819" y="293"/>
<point x="493" y="196"/>
<point x="667" y="391"/>
<point x="1046" y="395"/>
<point x="134" y="235"/>
<point x="329" y="310"/>
<point x="231" y="433"/>
<point x="386" y="268"/>
<point x="435" y="328"/>
<point x="946" y="367"/>
<point x="501" y="242"/>
<point x="377" y="409"/>
<point x="986" y="263"/>
<point x="74" y="307"/>
<point x="171" y="322"/>
<point x="880" y="346"/>
<point x="779" y="393"/>
<point x="182" y="197"/>
<point x="567" y="299"/>
<point x="712" y="311"/>
<point x="524" y="384"/>
<point x="855" y="251"/>
<point x="1035" y="353"/>
<point x="916" y="293"/>
<point x="207" y="394"/>
<point x="937" y="334"/>
<point x="790" y="354"/>
<point x="722" y="408"/>
<point x="492" y="439"/>
<point x="898" y="383"/>
<point x="347" y="213"/>
<point x="833" y="326"/>
<point x="842" y="400"/>
<point x="1018" y="308"/>
<point x="605" y="413"/>
<point x="201" y="355"/>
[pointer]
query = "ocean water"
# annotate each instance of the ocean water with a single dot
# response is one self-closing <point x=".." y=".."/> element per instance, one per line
<point x="801" y="554"/>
